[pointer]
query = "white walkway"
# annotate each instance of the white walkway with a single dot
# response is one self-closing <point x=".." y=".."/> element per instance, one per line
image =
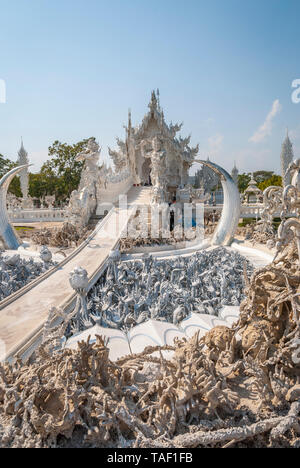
<point x="23" y="314"/>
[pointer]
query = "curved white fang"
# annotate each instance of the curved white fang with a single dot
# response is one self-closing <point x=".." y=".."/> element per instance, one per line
<point x="225" y="231"/>
<point x="7" y="232"/>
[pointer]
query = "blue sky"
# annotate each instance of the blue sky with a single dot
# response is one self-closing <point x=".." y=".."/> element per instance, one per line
<point x="224" y="67"/>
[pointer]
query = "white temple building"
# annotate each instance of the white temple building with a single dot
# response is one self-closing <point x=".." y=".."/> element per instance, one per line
<point x="154" y="154"/>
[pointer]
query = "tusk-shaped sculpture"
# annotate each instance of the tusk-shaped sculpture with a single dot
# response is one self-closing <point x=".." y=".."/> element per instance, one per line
<point x="7" y="232"/>
<point x="225" y="231"/>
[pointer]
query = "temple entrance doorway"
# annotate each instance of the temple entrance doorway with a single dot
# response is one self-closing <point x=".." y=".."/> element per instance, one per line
<point x="172" y="193"/>
<point x="146" y="172"/>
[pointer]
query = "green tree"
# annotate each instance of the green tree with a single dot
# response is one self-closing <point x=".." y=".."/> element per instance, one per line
<point x="40" y="185"/>
<point x="5" y="166"/>
<point x="243" y="181"/>
<point x="60" y="175"/>
<point x="261" y="176"/>
<point x="274" y="180"/>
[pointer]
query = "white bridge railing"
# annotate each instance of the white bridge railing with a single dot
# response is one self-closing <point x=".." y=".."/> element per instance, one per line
<point x="247" y="211"/>
<point x="57" y="214"/>
<point x="37" y="215"/>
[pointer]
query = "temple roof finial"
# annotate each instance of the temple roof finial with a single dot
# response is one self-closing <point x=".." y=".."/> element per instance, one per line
<point x="158" y="98"/>
<point x="153" y="102"/>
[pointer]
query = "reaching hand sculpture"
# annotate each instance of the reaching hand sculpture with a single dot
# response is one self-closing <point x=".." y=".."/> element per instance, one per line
<point x="79" y="282"/>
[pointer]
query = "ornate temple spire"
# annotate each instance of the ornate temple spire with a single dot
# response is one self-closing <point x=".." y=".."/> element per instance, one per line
<point x="158" y="99"/>
<point x="129" y="125"/>
<point x="235" y="174"/>
<point x="153" y="103"/>
<point x="22" y="155"/>
<point x="24" y="178"/>
<point x="287" y="156"/>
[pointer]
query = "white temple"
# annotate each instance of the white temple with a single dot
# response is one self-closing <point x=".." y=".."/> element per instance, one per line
<point x="154" y="155"/>
<point x="206" y="179"/>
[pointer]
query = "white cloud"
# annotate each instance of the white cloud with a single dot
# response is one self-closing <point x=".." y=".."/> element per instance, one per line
<point x="266" y="128"/>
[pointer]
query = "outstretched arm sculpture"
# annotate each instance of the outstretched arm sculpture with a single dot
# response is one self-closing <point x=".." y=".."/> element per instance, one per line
<point x="7" y="232"/>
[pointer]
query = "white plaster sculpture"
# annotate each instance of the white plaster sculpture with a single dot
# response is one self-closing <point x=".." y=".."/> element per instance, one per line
<point x="290" y="227"/>
<point x="83" y="202"/>
<point x="16" y="272"/>
<point x="79" y="282"/>
<point x="45" y="254"/>
<point x="272" y="200"/>
<point x="166" y="290"/>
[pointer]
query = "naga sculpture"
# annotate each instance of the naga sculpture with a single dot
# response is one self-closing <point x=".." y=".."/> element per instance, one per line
<point x="83" y="202"/>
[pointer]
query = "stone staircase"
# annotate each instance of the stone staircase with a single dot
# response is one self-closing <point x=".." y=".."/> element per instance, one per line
<point x="139" y="196"/>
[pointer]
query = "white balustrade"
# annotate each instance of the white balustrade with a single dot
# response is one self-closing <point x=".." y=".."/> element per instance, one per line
<point x="37" y="215"/>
